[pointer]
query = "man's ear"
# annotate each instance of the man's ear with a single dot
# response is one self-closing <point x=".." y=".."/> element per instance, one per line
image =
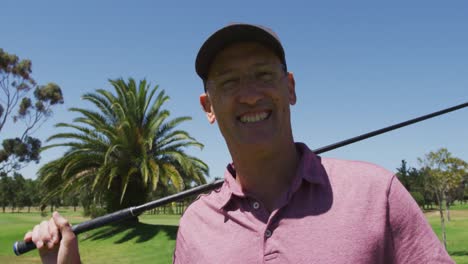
<point x="291" y="89"/>
<point x="207" y="107"/>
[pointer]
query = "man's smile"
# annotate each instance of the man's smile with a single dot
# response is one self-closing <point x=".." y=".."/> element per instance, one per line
<point x="254" y="117"/>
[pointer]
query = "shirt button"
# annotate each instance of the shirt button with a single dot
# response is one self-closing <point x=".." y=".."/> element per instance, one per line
<point x="268" y="233"/>
<point x="256" y="205"/>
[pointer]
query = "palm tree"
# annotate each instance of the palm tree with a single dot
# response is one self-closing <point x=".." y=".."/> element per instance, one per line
<point x="125" y="150"/>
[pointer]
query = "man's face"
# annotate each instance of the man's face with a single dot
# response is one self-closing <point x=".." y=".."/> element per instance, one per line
<point x="249" y="94"/>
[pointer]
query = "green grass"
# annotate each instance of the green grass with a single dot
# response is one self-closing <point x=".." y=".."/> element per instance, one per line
<point x="153" y="239"/>
<point x="457" y="232"/>
<point x="150" y="241"/>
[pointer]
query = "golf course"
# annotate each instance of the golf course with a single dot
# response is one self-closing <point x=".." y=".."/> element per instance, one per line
<point x="153" y="239"/>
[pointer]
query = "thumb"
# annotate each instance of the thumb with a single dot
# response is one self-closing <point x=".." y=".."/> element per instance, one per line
<point x="68" y="252"/>
<point x="64" y="227"/>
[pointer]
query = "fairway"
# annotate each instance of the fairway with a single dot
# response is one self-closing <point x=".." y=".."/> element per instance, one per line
<point x="153" y="239"/>
<point x="457" y="232"/>
<point x="150" y="241"/>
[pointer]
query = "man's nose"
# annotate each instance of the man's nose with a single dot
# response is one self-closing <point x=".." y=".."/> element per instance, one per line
<point x="249" y="92"/>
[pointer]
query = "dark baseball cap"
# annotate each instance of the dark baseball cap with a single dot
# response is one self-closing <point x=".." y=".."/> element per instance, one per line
<point x="233" y="33"/>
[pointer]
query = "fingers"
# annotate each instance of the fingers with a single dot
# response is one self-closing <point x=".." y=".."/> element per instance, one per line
<point x="28" y="236"/>
<point x="40" y="234"/>
<point x="47" y="233"/>
<point x="44" y="233"/>
<point x="54" y="234"/>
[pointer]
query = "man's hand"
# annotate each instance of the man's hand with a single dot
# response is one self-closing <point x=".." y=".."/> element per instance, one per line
<point x="55" y="240"/>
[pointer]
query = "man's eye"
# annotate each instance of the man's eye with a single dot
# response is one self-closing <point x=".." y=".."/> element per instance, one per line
<point x="228" y="83"/>
<point x="264" y="76"/>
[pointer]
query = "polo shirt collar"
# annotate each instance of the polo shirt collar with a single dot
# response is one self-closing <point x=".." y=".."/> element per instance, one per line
<point x="310" y="169"/>
<point x="310" y="166"/>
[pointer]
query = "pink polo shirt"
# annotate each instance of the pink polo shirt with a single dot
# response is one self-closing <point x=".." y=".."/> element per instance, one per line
<point x="335" y="211"/>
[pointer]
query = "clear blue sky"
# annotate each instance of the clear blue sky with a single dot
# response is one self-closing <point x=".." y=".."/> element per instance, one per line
<point x="358" y="65"/>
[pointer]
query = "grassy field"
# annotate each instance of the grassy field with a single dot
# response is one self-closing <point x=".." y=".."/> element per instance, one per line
<point x="457" y="231"/>
<point x="150" y="241"/>
<point x="153" y="239"/>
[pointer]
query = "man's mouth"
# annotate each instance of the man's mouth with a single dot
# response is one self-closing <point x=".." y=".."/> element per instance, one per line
<point x="254" y="117"/>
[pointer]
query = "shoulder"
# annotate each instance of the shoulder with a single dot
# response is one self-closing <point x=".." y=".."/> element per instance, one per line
<point x="356" y="171"/>
<point x="343" y="171"/>
<point x="361" y="168"/>
<point x="192" y="226"/>
<point x="205" y="205"/>
<point x="358" y="180"/>
<point x="196" y="223"/>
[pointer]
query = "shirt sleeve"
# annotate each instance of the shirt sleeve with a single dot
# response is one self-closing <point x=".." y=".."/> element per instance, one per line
<point x="414" y="241"/>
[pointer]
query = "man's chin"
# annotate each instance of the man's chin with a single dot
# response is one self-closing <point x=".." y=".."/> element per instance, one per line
<point x="258" y="142"/>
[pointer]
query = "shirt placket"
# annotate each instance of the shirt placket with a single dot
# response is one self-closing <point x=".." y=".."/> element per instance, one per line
<point x="266" y="230"/>
<point x="270" y="252"/>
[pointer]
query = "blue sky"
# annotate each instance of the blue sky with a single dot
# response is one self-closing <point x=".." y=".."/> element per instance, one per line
<point x="359" y="65"/>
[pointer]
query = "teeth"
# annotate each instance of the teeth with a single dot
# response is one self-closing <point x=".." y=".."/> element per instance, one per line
<point x="251" y="118"/>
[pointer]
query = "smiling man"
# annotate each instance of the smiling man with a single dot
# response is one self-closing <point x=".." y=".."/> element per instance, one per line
<point x="280" y="203"/>
<point x="248" y="94"/>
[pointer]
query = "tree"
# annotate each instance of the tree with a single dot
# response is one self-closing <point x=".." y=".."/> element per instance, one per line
<point x="31" y="195"/>
<point x="18" y="192"/>
<point x="413" y="180"/>
<point x="72" y="199"/>
<point x="403" y="175"/>
<point x="422" y="185"/>
<point x="19" y="187"/>
<point x="443" y="174"/>
<point x="464" y="189"/>
<point x="7" y="194"/>
<point x="16" y="83"/>
<point x="124" y="150"/>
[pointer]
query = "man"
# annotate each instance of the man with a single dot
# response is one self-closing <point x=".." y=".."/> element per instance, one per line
<point x="280" y="203"/>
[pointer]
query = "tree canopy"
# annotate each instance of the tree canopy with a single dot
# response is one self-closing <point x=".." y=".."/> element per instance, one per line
<point x="16" y="104"/>
<point x="123" y="150"/>
<point x="443" y="175"/>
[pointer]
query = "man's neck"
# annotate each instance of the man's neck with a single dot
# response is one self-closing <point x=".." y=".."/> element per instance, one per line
<point x="268" y="174"/>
